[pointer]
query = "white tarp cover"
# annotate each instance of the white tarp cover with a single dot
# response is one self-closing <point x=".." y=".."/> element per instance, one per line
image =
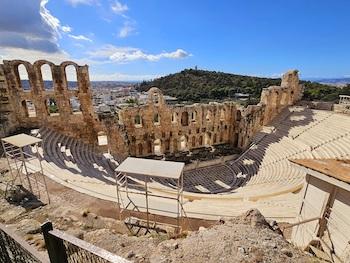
<point x="21" y="140"/>
<point x="152" y="168"/>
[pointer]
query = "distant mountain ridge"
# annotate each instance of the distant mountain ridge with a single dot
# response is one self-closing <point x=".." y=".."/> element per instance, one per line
<point x="332" y="81"/>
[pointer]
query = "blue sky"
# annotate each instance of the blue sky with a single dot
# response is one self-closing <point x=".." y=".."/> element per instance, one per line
<point x="135" y="40"/>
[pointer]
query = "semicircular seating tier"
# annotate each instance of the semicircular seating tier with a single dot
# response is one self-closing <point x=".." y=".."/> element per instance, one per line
<point x="263" y="169"/>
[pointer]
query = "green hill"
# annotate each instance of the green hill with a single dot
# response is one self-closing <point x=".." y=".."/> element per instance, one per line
<point x="201" y="85"/>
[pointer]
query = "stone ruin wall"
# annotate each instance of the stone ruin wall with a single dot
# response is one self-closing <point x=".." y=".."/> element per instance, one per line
<point x="81" y="125"/>
<point x="136" y="131"/>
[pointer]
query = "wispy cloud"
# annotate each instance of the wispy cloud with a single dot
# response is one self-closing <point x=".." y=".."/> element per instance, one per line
<point x="66" y="29"/>
<point x="80" y="37"/>
<point x="127" y="29"/>
<point x="119" y="8"/>
<point x="81" y="2"/>
<point x="123" y="77"/>
<point x="128" y="54"/>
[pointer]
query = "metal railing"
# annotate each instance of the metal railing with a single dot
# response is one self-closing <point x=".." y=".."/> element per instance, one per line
<point x="64" y="248"/>
<point x="15" y="250"/>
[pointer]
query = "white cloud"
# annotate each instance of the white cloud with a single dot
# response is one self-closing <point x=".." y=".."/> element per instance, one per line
<point x="33" y="55"/>
<point x="127" y="29"/>
<point x="122" y="77"/>
<point x="66" y="29"/>
<point x="119" y="8"/>
<point x="80" y="37"/>
<point x="127" y="54"/>
<point x="81" y="2"/>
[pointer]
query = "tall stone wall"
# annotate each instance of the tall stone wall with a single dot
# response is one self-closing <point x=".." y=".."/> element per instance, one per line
<point x="157" y="128"/>
<point x="276" y="98"/>
<point x="79" y="124"/>
<point x="153" y="128"/>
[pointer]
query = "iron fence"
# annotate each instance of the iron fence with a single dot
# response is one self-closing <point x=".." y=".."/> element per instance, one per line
<point x="64" y="248"/>
<point x="15" y="250"/>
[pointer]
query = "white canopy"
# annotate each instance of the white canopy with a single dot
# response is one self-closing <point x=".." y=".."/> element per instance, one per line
<point x="152" y="168"/>
<point x="21" y="140"/>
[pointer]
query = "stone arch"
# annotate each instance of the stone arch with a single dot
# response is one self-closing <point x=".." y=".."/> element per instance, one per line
<point x="193" y="142"/>
<point x="157" y="147"/>
<point x="24" y="108"/>
<point x="23" y="76"/>
<point x="26" y="72"/>
<point x="200" y="140"/>
<point x="222" y="114"/>
<point x="238" y="115"/>
<point x="221" y="136"/>
<point x="183" y="143"/>
<point x="167" y="145"/>
<point x="184" y="118"/>
<point x="140" y="149"/>
<point x="149" y="147"/>
<point x="174" y="117"/>
<point x="175" y="145"/>
<point x="193" y="116"/>
<point x="156" y="119"/>
<point x="71" y="76"/>
<point x="46" y="77"/>
<point x="52" y="106"/>
<point x="75" y="105"/>
<point x="138" y="120"/>
<point x="209" y="115"/>
<point x="207" y="139"/>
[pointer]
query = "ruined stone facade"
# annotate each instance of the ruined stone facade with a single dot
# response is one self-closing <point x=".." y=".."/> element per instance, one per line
<point x="151" y="129"/>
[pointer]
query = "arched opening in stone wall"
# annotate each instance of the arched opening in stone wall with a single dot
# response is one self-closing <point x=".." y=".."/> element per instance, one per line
<point x="214" y="138"/>
<point x="175" y="147"/>
<point x="221" y="137"/>
<point x="222" y="114"/>
<point x="207" y="139"/>
<point x="75" y="105"/>
<point x="208" y="116"/>
<point x="24" y="78"/>
<point x="156" y="119"/>
<point x="193" y="141"/>
<point x="102" y="138"/>
<point x="167" y="145"/>
<point x="155" y="98"/>
<point x="157" y="147"/>
<point x="183" y="143"/>
<point x="238" y="115"/>
<point x="52" y="107"/>
<point x="138" y="121"/>
<point x="71" y="76"/>
<point x="200" y="140"/>
<point x="149" y="147"/>
<point x="235" y="139"/>
<point x="184" y="118"/>
<point x="140" y="149"/>
<point x="193" y="116"/>
<point x="28" y="108"/>
<point x="46" y="74"/>
<point x="174" y="117"/>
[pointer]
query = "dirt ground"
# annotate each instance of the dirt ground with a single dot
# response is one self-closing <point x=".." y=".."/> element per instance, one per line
<point x="248" y="238"/>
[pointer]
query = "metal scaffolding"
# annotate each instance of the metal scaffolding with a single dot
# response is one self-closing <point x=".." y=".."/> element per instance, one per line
<point x="22" y="152"/>
<point x="133" y="177"/>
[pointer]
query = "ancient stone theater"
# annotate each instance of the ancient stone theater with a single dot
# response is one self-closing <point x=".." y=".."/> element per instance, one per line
<point x="262" y="139"/>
